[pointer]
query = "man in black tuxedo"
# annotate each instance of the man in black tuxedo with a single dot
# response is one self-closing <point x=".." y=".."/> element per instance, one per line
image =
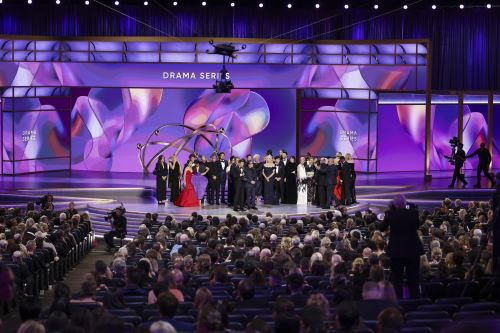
<point x="237" y="177"/>
<point x="258" y="166"/>
<point x="331" y="181"/>
<point x="322" y="183"/>
<point x="233" y="164"/>
<point x="223" y="176"/>
<point x="405" y="247"/>
<point x="251" y="179"/>
<point x="459" y="163"/>
<point x="279" y="179"/>
<point x="214" y="175"/>
<point x="484" y="157"/>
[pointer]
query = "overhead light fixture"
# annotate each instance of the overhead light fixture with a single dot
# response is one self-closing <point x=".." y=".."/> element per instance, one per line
<point x="117" y="3"/>
<point x="58" y="2"/>
<point x="433" y="6"/>
<point x="375" y="6"/>
<point x="233" y="4"/>
<point x="204" y="3"/>
<point x="87" y="2"/>
<point x="461" y="6"/>
<point x="488" y="5"/>
<point x="405" y="7"/>
<point x="261" y="5"/>
<point x="30" y="2"/>
<point x="289" y="5"/>
<point x="174" y="3"/>
<point x="316" y="5"/>
<point x="346" y="6"/>
<point x="146" y="3"/>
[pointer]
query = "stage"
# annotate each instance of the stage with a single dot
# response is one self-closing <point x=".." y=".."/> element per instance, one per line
<point x="99" y="192"/>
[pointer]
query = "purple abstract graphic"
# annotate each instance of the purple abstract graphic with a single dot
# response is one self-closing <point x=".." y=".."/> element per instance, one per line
<point x="475" y="130"/>
<point x="496" y="135"/>
<point x="110" y="122"/>
<point x="242" y="113"/>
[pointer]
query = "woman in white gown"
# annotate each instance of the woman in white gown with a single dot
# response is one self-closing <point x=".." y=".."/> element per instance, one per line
<point x="301" y="183"/>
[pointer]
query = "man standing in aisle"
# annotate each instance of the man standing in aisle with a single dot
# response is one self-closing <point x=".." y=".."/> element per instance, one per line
<point x="484" y="158"/>
<point x="459" y="163"/>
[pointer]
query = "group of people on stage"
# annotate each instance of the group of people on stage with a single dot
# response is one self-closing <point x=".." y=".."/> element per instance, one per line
<point x="320" y="181"/>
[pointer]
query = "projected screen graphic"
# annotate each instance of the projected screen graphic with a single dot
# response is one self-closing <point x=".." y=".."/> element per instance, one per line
<point x="108" y="123"/>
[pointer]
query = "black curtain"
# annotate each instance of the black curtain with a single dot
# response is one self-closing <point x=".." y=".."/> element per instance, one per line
<point x="465" y="48"/>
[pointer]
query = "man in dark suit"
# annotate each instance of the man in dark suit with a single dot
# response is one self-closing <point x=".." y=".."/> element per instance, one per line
<point x="258" y="166"/>
<point x="484" y="157"/>
<point x="233" y="164"/>
<point x="251" y="178"/>
<point x="459" y="163"/>
<point x="405" y="247"/>
<point x="237" y="176"/>
<point x="214" y="176"/>
<point x="223" y="176"/>
<point x="322" y="183"/>
<point x="279" y="179"/>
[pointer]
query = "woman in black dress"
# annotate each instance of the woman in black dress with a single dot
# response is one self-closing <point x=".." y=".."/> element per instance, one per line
<point x="346" y="181"/>
<point x="291" y="181"/>
<point x="311" y="186"/>
<point x="161" y="172"/>
<point x="174" y="178"/>
<point x="350" y="161"/>
<point x="268" y="172"/>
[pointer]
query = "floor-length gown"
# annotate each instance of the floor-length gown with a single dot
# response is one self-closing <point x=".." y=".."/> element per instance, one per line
<point x="200" y="184"/>
<point x="311" y="186"/>
<point x="188" y="197"/>
<point x="269" y="193"/>
<point x="174" y="181"/>
<point x="301" y="185"/>
<point x="291" y="183"/>
<point x="161" y="170"/>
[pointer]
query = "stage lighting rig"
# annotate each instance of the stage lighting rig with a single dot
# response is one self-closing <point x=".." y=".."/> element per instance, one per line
<point x="223" y="84"/>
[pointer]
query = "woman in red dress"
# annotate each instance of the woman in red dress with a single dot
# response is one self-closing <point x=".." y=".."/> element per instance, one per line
<point x="188" y="197"/>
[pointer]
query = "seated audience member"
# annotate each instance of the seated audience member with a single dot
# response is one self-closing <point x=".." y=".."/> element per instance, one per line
<point x="246" y="292"/>
<point x="31" y="326"/>
<point x="373" y="302"/>
<point x="162" y="327"/>
<point x="132" y="283"/>
<point x="30" y="309"/>
<point x="167" y="305"/>
<point x="287" y="323"/>
<point x="347" y="317"/>
<point x="258" y="326"/>
<point x="87" y="292"/>
<point x="296" y="286"/>
<point x="312" y="319"/>
<point x="390" y="321"/>
<point x="202" y="298"/>
<point x="56" y="322"/>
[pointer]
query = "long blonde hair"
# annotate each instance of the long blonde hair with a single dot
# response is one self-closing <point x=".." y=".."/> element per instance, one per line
<point x="348" y="158"/>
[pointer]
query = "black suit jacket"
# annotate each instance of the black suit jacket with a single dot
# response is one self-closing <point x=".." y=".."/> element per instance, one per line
<point x="331" y="174"/>
<point x="403" y="238"/>
<point x="235" y="175"/>
<point x="322" y="175"/>
<point x="215" y="169"/>
<point x="280" y="173"/>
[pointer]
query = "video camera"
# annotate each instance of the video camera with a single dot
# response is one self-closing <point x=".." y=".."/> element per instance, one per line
<point x="454" y="142"/>
<point x="44" y="200"/>
<point x="111" y="216"/>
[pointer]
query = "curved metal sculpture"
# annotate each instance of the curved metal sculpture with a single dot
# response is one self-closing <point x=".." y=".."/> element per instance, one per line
<point x="181" y="142"/>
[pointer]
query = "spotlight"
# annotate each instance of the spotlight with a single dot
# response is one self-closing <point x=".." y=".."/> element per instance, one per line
<point x="433" y="6"/>
<point x="316" y="5"/>
<point x="174" y="3"/>
<point x="146" y="3"/>
<point x="461" y="6"/>
<point x="405" y="7"/>
<point x="117" y="3"/>
<point x="204" y="3"/>
<point x="375" y="6"/>
<point x="87" y="2"/>
<point x="289" y="5"/>
<point x="261" y="5"/>
<point x="232" y="4"/>
<point x="58" y="2"/>
<point x="488" y="5"/>
<point x="30" y="2"/>
<point x="346" y="6"/>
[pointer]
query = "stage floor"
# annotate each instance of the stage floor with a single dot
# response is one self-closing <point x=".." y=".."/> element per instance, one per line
<point x="99" y="192"/>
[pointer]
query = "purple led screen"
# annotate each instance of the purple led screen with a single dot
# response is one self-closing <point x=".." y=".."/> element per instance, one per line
<point x="444" y="126"/>
<point x="186" y="75"/>
<point x="325" y="133"/>
<point x="475" y="130"/>
<point x="496" y="135"/>
<point x="108" y="123"/>
<point x="401" y="143"/>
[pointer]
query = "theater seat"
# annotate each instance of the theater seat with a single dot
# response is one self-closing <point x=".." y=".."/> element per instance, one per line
<point x="459" y="301"/>
<point x="481" y="307"/>
<point x="426" y="315"/>
<point x="450" y="308"/>
<point x="412" y="304"/>
<point x="435" y="324"/>
<point x="417" y="330"/>
<point x="467" y="315"/>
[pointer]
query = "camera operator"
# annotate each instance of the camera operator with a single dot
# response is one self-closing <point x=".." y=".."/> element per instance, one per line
<point x="459" y="158"/>
<point x="405" y="247"/>
<point x="484" y="158"/>
<point x="119" y="226"/>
